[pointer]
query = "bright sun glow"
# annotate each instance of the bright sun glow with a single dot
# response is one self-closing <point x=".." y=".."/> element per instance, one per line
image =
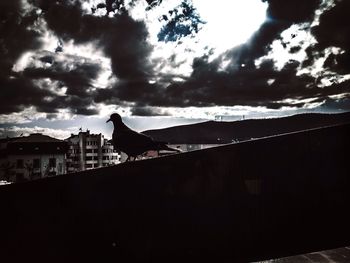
<point x="229" y="22"/>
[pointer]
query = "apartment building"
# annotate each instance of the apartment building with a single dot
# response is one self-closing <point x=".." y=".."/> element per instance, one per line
<point x="32" y="157"/>
<point x="88" y="151"/>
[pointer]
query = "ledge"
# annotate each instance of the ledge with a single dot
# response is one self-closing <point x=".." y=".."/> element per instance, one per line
<point x="255" y="200"/>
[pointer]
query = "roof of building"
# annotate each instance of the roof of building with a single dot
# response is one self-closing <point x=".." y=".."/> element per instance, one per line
<point x="87" y="134"/>
<point x="36" y="137"/>
<point x="36" y="143"/>
<point x="8" y="139"/>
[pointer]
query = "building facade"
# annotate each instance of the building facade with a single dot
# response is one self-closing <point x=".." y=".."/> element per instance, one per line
<point x="88" y="151"/>
<point x="32" y="157"/>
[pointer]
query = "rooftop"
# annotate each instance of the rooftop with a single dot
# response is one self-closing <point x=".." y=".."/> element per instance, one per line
<point x="36" y="137"/>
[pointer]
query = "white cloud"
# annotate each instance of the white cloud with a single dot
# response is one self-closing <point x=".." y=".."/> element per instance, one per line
<point x="16" y="131"/>
<point x="30" y="115"/>
<point x="26" y="116"/>
<point x="296" y="36"/>
<point x="299" y="36"/>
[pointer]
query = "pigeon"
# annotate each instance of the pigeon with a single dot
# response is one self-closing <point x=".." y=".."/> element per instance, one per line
<point x="131" y="142"/>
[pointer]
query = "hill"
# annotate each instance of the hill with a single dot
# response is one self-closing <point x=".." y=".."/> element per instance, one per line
<point x="214" y="132"/>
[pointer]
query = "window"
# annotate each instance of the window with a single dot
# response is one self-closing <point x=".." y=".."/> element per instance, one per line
<point x="36" y="163"/>
<point x="37" y="175"/>
<point x="53" y="173"/>
<point x="60" y="168"/>
<point x="19" y="163"/>
<point x="52" y="162"/>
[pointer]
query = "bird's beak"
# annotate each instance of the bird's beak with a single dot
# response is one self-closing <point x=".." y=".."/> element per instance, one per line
<point x="108" y="120"/>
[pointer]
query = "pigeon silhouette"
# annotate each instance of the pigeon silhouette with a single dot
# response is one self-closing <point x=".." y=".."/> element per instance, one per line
<point x="131" y="142"/>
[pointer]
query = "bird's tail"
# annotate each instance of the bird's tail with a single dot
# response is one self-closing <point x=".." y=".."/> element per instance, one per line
<point x="165" y="147"/>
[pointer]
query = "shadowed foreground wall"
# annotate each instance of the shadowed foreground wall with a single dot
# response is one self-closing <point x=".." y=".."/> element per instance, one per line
<point x="259" y="199"/>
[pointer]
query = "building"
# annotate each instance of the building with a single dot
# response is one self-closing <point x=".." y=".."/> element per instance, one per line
<point x="32" y="157"/>
<point x="187" y="147"/>
<point x="88" y="151"/>
<point x="182" y="147"/>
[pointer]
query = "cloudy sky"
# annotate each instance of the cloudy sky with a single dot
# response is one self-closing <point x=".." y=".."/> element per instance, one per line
<point x="68" y="64"/>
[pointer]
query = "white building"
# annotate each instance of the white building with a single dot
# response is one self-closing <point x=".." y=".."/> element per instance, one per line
<point x="192" y="147"/>
<point x="88" y="151"/>
<point x="32" y="157"/>
<point x="182" y="147"/>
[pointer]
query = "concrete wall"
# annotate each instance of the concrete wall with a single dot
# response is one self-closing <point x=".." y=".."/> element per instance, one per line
<point x="248" y="201"/>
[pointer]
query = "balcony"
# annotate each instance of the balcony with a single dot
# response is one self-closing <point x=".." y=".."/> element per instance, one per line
<point x="91" y="161"/>
<point x="91" y="147"/>
<point x="91" y="154"/>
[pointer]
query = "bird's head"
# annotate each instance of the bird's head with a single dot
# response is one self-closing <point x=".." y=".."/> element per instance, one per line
<point x="115" y="118"/>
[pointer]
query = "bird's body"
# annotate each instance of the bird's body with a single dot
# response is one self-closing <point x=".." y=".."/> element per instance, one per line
<point x="131" y="142"/>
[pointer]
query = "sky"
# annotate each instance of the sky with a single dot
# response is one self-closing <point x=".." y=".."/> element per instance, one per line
<point x="69" y="64"/>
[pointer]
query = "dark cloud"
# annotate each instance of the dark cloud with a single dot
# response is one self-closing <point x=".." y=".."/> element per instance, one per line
<point x="16" y="37"/>
<point x="76" y="105"/>
<point x="76" y="76"/>
<point x="250" y="86"/>
<point x="243" y="83"/>
<point x="281" y="15"/>
<point x="246" y="86"/>
<point x="16" y="34"/>
<point x="148" y="111"/>
<point x="18" y="92"/>
<point x="333" y="31"/>
<point x="120" y="37"/>
<point x="24" y="89"/>
<point x="124" y="41"/>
